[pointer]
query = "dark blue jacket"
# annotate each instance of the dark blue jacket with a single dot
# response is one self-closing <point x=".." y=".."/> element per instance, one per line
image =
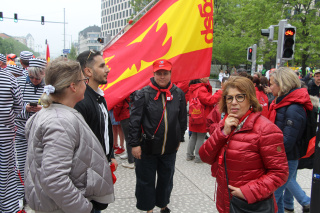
<point x="291" y="120"/>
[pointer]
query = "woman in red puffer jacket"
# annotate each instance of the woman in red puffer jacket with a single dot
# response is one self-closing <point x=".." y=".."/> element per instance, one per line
<point x="255" y="155"/>
<point x="201" y="89"/>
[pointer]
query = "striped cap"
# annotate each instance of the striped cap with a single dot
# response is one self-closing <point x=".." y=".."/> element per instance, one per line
<point x="37" y="62"/>
<point x="13" y="69"/>
<point x="26" y="55"/>
<point x="3" y="58"/>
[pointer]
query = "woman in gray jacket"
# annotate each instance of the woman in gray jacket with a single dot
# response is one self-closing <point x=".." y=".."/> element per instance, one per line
<point x="66" y="169"/>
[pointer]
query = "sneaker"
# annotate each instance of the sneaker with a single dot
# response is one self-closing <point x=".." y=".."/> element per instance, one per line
<point x="288" y="210"/>
<point x="306" y="209"/>
<point x="115" y="147"/>
<point x="166" y="210"/>
<point x="128" y="165"/>
<point x="119" y="151"/>
<point x="190" y="158"/>
<point x="124" y="156"/>
<point x="198" y="160"/>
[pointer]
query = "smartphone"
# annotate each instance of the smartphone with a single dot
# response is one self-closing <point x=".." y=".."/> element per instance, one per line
<point x="33" y="104"/>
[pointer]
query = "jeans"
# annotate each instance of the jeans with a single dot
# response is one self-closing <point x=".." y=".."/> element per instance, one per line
<point x="125" y="128"/>
<point x="293" y="165"/>
<point x="195" y="142"/>
<point x="95" y="211"/>
<point x="293" y="189"/>
<point x="149" y="191"/>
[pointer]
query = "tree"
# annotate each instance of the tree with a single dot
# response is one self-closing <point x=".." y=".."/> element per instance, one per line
<point x="10" y="45"/>
<point x="138" y="5"/>
<point x="73" y="53"/>
<point x="237" y="26"/>
<point x="304" y="15"/>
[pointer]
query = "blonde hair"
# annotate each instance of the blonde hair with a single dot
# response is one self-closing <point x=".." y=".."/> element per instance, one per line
<point x="37" y="72"/>
<point x="60" y="74"/>
<point x="245" y="86"/>
<point x="286" y="79"/>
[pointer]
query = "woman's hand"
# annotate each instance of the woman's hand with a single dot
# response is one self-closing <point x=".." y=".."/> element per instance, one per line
<point x="231" y="121"/>
<point x="136" y="152"/>
<point x="33" y="108"/>
<point x="114" y="161"/>
<point x="236" y="192"/>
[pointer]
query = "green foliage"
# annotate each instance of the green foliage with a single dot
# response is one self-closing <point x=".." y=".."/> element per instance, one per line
<point x="138" y="5"/>
<point x="237" y="25"/>
<point x="11" y="45"/>
<point x="306" y="19"/>
<point x="73" y="53"/>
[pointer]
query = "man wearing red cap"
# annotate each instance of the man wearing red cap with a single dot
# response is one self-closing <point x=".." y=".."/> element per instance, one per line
<point x="158" y="122"/>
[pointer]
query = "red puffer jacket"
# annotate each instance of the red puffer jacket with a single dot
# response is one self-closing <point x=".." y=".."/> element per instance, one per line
<point x="256" y="160"/>
<point x="204" y="92"/>
<point x="121" y="110"/>
<point x="263" y="100"/>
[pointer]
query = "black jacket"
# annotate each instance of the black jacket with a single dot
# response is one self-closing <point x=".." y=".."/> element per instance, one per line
<point x="148" y="113"/>
<point x="91" y="111"/>
<point x="291" y="120"/>
<point x="313" y="89"/>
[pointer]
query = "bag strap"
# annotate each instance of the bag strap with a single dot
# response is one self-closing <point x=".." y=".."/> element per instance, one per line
<point x="243" y="119"/>
<point x="146" y="96"/>
<point x="225" y="168"/>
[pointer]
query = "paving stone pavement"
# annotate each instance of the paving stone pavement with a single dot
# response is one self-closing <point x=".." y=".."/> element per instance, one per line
<point x="193" y="190"/>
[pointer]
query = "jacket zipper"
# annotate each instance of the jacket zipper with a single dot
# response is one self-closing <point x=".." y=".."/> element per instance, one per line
<point x="165" y="126"/>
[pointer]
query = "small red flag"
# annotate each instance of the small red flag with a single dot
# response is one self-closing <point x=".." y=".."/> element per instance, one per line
<point x="48" y="54"/>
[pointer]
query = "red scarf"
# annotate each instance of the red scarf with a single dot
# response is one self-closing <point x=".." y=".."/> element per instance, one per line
<point x="167" y="91"/>
<point x="297" y="96"/>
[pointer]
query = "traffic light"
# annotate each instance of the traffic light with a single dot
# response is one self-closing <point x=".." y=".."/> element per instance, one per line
<point x="100" y="40"/>
<point x="268" y="32"/>
<point x="42" y="20"/>
<point x="15" y="17"/>
<point x="249" y="53"/>
<point x="1" y="16"/>
<point x="289" y="35"/>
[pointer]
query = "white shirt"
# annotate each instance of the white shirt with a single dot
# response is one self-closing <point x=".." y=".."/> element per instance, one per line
<point x="105" y="115"/>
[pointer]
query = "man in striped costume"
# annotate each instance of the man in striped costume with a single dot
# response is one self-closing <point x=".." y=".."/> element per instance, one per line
<point x="32" y="87"/>
<point x="14" y="70"/>
<point x="10" y="106"/>
<point x="25" y="56"/>
<point x="3" y="61"/>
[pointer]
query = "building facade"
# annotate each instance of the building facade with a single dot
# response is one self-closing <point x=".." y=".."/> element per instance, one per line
<point x="114" y="16"/>
<point x="88" y="39"/>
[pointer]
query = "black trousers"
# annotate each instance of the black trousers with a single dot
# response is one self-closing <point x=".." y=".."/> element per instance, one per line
<point x="149" y="191"/>
<point x="125" y="128"/>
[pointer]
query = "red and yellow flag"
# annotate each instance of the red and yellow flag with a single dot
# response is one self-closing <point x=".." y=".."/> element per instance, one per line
<point x="177" y="30"/>
<point x="48" y="54"/>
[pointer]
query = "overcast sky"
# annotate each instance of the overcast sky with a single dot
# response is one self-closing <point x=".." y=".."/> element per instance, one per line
<point x="79" y="14"/>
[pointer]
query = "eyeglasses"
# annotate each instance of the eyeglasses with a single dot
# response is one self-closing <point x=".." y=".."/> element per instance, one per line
<point x="31" y="77"/>
<point x="239" y="98"/>
<point x="85" y="80"/>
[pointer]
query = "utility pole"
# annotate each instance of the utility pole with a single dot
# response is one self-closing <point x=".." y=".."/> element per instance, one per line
<point x="64" y="28"/>
<point x="254" y="59"/>
<point x="279" y="61"/>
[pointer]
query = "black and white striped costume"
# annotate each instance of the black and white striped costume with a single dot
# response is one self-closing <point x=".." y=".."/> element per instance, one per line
<point x="30" y="93"/>
<point x="10" y="106"/>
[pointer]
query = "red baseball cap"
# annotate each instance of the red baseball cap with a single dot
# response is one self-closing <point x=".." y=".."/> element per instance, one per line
<point x="162" y="64"/>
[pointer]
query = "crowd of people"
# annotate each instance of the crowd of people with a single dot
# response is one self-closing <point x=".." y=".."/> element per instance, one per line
<point x="59" y="140"/>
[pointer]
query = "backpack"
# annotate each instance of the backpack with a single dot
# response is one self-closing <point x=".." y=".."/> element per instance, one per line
<point x="309" y="132"/>
<point x="196" y="111"/>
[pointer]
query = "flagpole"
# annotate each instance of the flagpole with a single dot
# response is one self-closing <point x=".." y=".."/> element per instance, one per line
<point x="111" y="41"/>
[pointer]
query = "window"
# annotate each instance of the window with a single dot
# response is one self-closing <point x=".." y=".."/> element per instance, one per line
<point x="127" y="13"/>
